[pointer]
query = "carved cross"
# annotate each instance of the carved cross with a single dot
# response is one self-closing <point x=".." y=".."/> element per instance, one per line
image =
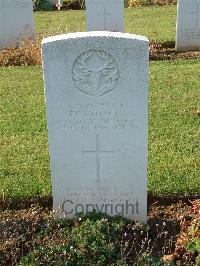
<point x="197" y="12"/>
<point x="97" y="152"/>
<point x="104" y="14"/>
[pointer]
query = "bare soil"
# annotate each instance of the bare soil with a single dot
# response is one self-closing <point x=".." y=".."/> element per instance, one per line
<point x="20" y="222"/>
<point x="167" y="51"/>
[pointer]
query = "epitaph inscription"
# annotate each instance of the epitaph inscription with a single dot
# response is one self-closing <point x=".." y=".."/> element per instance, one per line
<point x="118" y="203"/>
<point x="95" y="73"/>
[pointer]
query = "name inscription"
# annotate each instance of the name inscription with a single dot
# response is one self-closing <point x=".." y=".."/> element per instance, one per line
<point x="190" y="35"/>
<point x="99" y="116"/>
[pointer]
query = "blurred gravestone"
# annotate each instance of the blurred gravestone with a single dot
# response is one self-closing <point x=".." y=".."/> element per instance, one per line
<point x="105" y="15"/>
<point x="16" y="21"/>
<point x="188" y="25"/>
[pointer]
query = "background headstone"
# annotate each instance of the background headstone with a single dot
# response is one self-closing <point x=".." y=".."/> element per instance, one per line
<point x="16" y="21"/>
<point x="105" y="15"/>
<point x="188" y="25"/>
<point x="96" y="98"/>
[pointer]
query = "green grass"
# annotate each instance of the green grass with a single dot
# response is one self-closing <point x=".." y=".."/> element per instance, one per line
<point x="53" y="23"/>
<point x="174" y="130"/>
<point x="24" y="136"/>
<point x="157" y="23"/>
<point x="174" y="143"/>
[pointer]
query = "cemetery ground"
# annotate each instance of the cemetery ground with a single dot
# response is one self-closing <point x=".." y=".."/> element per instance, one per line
<point x="27" y="227"/>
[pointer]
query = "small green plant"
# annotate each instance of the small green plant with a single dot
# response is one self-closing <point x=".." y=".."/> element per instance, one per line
<point x="97" y="239"/>
<point x="89" y="240"/>
<point x="147" y="260"/>
<point x="191" y="239"/>
<point x="188" y="243"/>
<point x="193" y="244"/>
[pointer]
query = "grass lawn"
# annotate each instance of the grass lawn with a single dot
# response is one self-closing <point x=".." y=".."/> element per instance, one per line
<point x="174" y="130"/>
<point x="157" y="23"/>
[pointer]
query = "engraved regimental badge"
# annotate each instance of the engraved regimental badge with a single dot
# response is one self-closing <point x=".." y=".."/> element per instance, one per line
<point x="95" y="73"/>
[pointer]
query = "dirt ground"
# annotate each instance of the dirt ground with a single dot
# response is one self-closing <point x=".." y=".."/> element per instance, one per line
<point x="167" y="51"/>
<point x="20" y="220"/>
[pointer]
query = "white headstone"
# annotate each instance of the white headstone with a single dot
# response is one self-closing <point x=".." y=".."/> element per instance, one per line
<point x="96" y="99"/>
<point x="105" y="15"/>
<point x="188" y="25"/>
<point x="16" y="21"/>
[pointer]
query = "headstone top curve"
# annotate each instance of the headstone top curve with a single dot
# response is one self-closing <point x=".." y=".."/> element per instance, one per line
<point x="98" y="34"/>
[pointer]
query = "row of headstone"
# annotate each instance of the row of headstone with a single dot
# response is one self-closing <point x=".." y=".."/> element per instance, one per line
<point x="96" y="98"/>
<point x="16" y="22"/>
<point x="188" y="25"/>
<point x="100" y="15"/>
